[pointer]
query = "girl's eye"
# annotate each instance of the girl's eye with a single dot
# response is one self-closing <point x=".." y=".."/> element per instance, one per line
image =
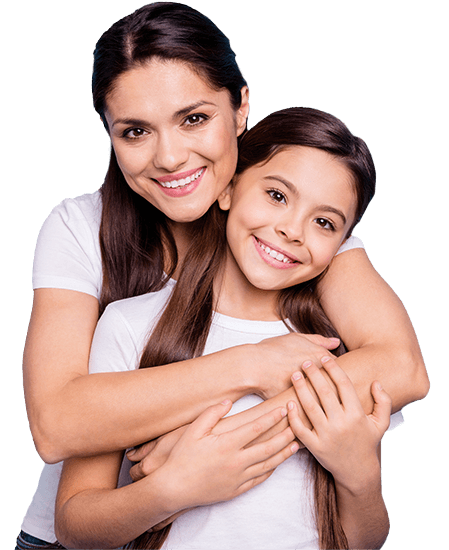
<point x="134" y="133"/>
<point x="195" y="119"/>
<point x="325" y="224"/>
<point x="277" y="196"/>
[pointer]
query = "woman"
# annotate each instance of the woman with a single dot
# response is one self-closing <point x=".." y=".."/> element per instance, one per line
<point x="140" y="246"/>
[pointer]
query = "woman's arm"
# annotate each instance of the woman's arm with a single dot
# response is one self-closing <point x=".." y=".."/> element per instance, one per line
<point x="201" y="469"/>
<point x="376" y="329"/>
<point x="123" y="409"/>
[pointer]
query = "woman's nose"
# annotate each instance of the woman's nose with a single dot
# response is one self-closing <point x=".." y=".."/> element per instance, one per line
<point x="171" y="152"/>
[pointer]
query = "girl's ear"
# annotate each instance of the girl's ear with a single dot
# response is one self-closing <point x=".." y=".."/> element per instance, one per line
<point x="243" y="111"/>
<point x="225" y="198"/>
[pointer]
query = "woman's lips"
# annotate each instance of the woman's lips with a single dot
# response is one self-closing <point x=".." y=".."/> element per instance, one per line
<point x="182" y="183"/>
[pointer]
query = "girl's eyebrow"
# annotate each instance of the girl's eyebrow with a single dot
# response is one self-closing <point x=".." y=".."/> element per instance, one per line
<point x="293" y="189"/>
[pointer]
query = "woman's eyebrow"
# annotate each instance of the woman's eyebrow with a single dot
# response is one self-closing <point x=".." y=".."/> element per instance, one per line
<point x="186" y="110"/>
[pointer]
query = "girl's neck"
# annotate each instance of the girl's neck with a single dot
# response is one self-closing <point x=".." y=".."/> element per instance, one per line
<point x="237" y="298"/>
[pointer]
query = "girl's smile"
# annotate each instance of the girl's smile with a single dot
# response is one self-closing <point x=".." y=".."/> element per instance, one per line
<point x="174" y="136"/>
<point x="287" y="219"/>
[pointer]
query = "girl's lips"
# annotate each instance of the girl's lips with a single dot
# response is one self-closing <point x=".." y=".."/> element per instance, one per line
<point x="275" y="256"/>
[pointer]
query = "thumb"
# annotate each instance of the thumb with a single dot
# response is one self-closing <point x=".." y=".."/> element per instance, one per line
<point x="382" y="406"/>
<point x="328" y="343"/>
<point x="208" y="419"/>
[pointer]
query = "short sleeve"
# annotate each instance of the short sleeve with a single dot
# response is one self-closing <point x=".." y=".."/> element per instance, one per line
<point x="67" y="253"/>
<point x="396" y="420"/>
<point x="114" y="346"/>
<point x="349" y="244"/>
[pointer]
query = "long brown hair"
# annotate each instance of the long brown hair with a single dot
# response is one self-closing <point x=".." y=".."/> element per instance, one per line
<point x="135" y="237"/>
<point x="182" y="330"/>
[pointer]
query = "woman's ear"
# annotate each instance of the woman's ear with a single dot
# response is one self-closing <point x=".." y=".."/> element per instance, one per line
<point x="225" y="198"/>
<point x="243" y="111"/>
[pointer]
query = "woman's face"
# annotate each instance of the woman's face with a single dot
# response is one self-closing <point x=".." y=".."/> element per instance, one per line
<point x="288" y="217"/>
<point x="174" y="136"/>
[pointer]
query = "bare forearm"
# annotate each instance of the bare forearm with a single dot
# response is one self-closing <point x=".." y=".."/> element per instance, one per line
<point x="123" y="409"/>
<point x="363" y="513"/>
<point x="110" y="518"/>
<point x="401" y="373"/>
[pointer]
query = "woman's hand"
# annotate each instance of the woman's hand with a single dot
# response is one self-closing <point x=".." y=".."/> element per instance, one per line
<point x="276" y="359"/>
<point x="343" y="439"/>
<point x="152" y="455"/>
<point x="204" y="468"/>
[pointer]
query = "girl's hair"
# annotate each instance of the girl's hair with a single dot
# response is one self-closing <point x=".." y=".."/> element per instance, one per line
<point x="133" y="232"/>
<point x="182" y="330"/>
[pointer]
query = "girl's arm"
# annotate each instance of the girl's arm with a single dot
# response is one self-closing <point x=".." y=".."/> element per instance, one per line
<point x="201" y="469"/>
<point x="346" y="443"/>
<point x="123" y="409"/>
<point x="376" y="329"/>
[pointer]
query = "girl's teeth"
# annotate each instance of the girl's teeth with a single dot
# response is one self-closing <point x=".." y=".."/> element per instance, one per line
<point x="280" y="257"/>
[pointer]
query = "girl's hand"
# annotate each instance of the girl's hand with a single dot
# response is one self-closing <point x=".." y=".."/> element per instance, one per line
<point x="343" y="439"/>
<point x="276" y="359"/>
<point x="204" y="468"/>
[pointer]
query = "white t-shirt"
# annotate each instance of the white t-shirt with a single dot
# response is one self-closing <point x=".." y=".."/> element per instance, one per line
<point x="68" y="257"/>
<point x="276" y="515"/>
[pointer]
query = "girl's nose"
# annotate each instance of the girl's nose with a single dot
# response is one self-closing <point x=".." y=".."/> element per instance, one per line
<point x="171" y="153"/>
<point x="292" y="229"/>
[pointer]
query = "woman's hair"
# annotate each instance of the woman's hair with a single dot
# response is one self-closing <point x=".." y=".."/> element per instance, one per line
<point x="133" y="232"/>
<point x="182" y="330"/>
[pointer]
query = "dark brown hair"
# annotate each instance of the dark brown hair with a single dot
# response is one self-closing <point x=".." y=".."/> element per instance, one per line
<point x="183" y="328"/>
<point x="135" y="237"/>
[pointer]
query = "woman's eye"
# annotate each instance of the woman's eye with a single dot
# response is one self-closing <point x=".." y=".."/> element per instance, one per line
<point x="194" y="120"/>
<point x="134" y="133"/>
<point x="277" y="196"/>
<point x="325" y="224"/>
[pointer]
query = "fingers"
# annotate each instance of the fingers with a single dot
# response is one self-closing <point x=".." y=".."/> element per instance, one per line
<point x="247" y="433"/>
<point x="209" y="418"/>
<point x="309" y="404"/>
<point x="137" y="454"/>
<point x="266" y="457"/>
<point x="382" y="406"/>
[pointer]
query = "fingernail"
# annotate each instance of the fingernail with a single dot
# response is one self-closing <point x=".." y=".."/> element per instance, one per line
<point x="296" y="375"/>
<point x="290" y="405"/>
<point x="131" y="452"/>
<point x="325" y="359"/>
<point x="294" y="447"/>
<point x="379" y="387"/>
<point x="284" y="412"/>
<point x="307" y="364"/>
<point x="226" y="402"/>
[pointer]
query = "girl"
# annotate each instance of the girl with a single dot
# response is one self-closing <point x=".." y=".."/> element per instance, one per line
<point x="174" y="103"/>
<point x="303" y="182"/>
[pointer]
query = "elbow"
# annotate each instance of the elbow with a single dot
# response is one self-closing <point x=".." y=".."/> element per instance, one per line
<point x="46" y="432"/>
<point x="414" y="378"/>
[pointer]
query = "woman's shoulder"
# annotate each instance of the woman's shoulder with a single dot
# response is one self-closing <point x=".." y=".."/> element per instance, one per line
<point x="86" y="207"/>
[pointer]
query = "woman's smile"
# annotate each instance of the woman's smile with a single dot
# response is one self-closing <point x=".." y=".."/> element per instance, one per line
<point x="174" y="137"/>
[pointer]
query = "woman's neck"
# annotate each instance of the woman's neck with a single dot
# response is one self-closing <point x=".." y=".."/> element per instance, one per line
<point x="237" y="297"/>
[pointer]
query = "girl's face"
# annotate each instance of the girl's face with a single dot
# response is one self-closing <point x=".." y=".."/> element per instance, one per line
<point x="174" y="136"/>
<point x="288" y="217"/>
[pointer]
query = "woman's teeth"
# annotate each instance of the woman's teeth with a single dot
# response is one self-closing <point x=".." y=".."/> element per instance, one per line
<point x="276" y="255"/>
<point x="181" y="183"/>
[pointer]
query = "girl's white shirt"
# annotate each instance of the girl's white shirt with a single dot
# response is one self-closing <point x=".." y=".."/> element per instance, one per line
<point x="68" y="257"/>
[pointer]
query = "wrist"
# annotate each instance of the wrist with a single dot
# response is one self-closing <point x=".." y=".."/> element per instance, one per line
<point x="362" y="480"/>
